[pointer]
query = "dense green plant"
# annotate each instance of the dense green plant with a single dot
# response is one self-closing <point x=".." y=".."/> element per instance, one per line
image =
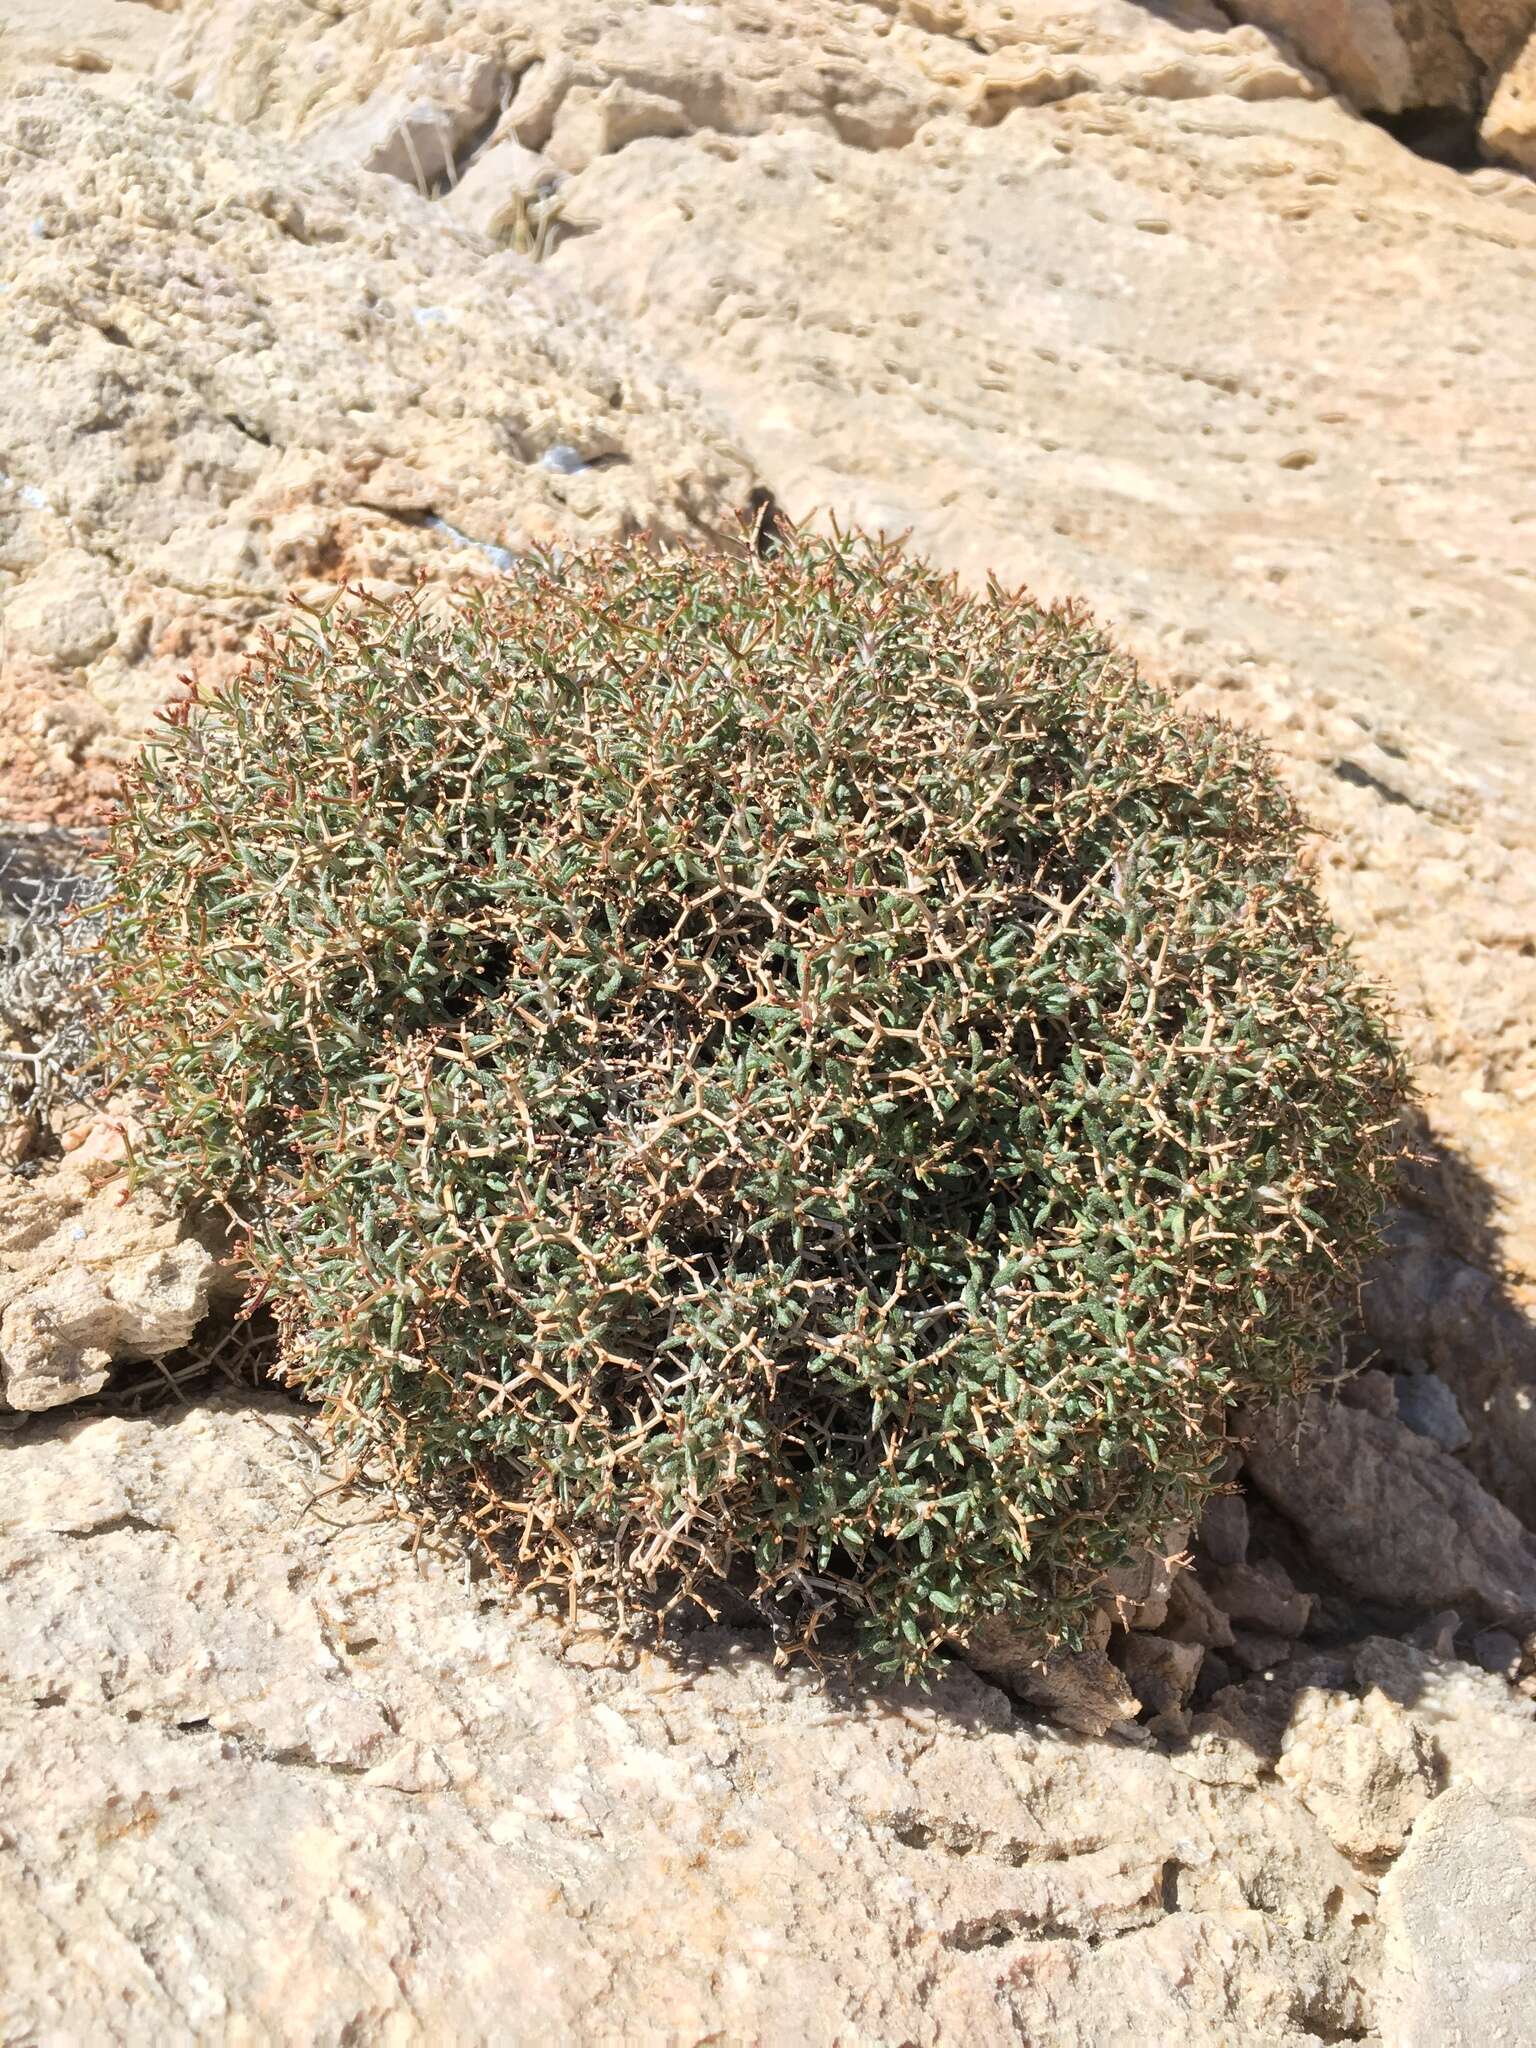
<point x="765" y="1070"/>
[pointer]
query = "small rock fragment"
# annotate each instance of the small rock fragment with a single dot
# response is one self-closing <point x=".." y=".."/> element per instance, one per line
<point x="1161" y="1673"/>
<point x="499" y="188"/>
<point x="1427" y="1405"/>
<point x="1360" y="1767"/>
<point x="1260" y="1596"/>
<point x="1436" y="1636"/>
<point x="80" y="57"/>
<point x="1139" y="1588"/>
<point x="1081" y="1689"/>
<point x="1224" y="1529"/>
<point x="1260" y="1652"/>
<point x="1495" y="1649"/>
<point x="540" y="91"/>
<point x="596" y="121"/>
<point x="1194" y="1617"/>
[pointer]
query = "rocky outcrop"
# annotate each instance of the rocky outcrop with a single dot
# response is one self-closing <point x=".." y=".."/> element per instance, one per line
<point x="579" y="79"/>
<point x="1434" y="1314"/>
<point x="92" y="1273"/>
<point x="1458" y="1912"/>
<point x="1391" y="55"/>
<point x="1361" y="1766"/>
<point x="1425" y="58"/>
<point x="426" y="93"/>
<point x="374" y="1760"/>
<point x="1509" y="126"/>
<point x="229" y="378"/>
<point x="1389" y="1514"/>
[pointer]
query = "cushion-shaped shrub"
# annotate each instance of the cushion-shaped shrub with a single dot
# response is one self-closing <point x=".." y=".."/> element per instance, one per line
<point x="770" y="1071"/>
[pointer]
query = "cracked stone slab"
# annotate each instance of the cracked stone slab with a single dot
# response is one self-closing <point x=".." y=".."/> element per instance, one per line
<point x="242" y="1721"/>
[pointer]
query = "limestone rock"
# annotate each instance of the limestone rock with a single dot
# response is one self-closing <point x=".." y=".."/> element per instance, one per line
<point x="60" y="1337"/>
<point x="1159" y="1672"/>
<point x="1509" y="126"/>
<point x="1223" y="1535"/>
<point x="1393" y="56"/>
<point x="1389" y="1513"/>
<point x="1458" y="1910"/>
<point x="1361" y="1767"/>
<point x="1256" y="1651"/>
<point x="1194" y="1617"/>
<point x="600" y="75"/>
<point x="1428" y="1307"/>
<point x="90" y="1274"/>
<point x="63" y="614"/>
<point x="1139" y="1590"/>
<point x="595" y="121"/>
<point x="209" y="359"/>
<point x="1494" y="31"/>
<point x="235" y="1729"/>
<point x="1080" y="1689"/>
<point x="500" y="187"/>
<point x="1383" y="55"/>
<point x="1481" y="1731"/>
<point x="422" y="132"/>
<point x="1495" y="1649"/>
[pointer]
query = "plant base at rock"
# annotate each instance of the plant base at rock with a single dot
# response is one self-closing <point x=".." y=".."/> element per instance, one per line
<point x="775" y="1071"/>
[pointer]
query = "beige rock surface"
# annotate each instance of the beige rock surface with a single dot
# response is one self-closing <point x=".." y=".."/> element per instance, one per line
<point x="277" y="1777"/>
<point x="1509" y="126"/>
<point x="90" y="1274"/>
<point x="1361" y="1767"/>
<point x="586" y="77"/>
<point x="229" y="377"/>
<point x="1464" y="1888"/>
<point x="1383" y="55"/>
<point x="1396" y="56"/>
<point x="114" y="44"/>
<point x="1427" y="1768"/>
